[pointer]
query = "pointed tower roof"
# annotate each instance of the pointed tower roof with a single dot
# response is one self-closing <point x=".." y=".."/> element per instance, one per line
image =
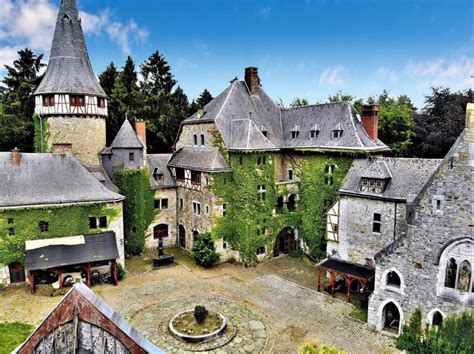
<point x="126" y="138"/>
<point x="69" y="69"/>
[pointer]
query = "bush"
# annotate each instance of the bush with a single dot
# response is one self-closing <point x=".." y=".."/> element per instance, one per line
<point x="455" y="335"/>
<point x="204" y="251"/>
<point x="120" y="271"/>
<point x="296" y="254"/>
<point x="312" y="348"/>
<point x="200" y="314"/>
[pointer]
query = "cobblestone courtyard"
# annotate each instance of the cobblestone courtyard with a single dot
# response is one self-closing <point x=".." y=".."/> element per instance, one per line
<point x="276" y="301"/>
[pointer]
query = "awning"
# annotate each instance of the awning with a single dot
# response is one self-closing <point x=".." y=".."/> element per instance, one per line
<point x="59" y="252"/>
<point x="349" y="268"/>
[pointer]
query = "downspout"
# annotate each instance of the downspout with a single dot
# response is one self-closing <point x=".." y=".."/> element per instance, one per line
<point x="395" y="223"/>
<point x="177" y="217"/>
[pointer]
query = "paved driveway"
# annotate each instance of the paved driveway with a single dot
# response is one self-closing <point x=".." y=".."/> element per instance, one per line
<point x="292" y="312"/>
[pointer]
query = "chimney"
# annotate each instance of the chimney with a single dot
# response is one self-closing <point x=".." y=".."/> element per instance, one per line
<point x="252" y="80"/>
<point x="370" y="120"/>
<point x="16" y="157"/>
<point x="140" y="128"/>
<point x="62" y="148"/>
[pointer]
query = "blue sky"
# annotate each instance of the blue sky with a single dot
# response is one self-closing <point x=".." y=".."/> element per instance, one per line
<point x="303" y="48"/>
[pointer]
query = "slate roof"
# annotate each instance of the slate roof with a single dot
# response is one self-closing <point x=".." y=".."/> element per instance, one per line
<point x="406" y="177"/>
<point x="241" y="118"/>
<point x="126" y="138"/>
<point x="199" y="158"/>
<point x="160" y="162"/>
<point x="86" y="294"/>
<point x="49" y="179"/>
<point x="346" y="267"/>
<point x="96" y="248"/>
<point x="69" y="69"/>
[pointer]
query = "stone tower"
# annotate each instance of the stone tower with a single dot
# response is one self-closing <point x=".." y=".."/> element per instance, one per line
<point x="70" y="99"/>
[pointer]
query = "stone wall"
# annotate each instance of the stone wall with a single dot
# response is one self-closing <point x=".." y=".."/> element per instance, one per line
<point x="416" y="259"/>
<point x="357" y="241"/>
<point x="116" y="226"/>
<point x="120" y="159"/>
<point x="86" y="134"/>
<point x="164" y="216"/>
<point x="186" y="136"/>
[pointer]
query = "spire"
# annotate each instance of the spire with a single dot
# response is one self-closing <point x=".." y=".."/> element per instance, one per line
<point x="69" y="69"/>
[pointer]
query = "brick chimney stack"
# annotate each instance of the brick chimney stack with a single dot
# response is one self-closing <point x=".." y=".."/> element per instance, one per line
<point x="370" y="120"/>
<point x="62" y="148"/>
<point x="16" y="156"/>
<point x="140" y="128"/>
<point x="252" y="80"/>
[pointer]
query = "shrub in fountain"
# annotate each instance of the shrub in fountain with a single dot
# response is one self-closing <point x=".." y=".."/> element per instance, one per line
<point x="200" y="314"/>
<point x="204" y="251"/>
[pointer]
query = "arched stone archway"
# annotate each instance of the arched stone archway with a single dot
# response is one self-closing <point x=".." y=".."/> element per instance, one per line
<point x="285" y="242"/>
<point x="391" y="317"/>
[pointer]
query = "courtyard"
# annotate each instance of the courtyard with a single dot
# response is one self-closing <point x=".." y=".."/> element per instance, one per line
<point x="274" y="307"/>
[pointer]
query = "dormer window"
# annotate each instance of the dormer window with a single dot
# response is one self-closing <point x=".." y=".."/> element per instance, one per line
<point x="77" y="100"/>
<point x="314" y="132"/>
<point x="264" y="131"/>
<point x="337" y="131"/>
<point x="372" y="185"/>
<point x="157" y="175"/>
<point x="48" y="101"/>
<point x="295" y="132"/>
<point x="101" y="102"/>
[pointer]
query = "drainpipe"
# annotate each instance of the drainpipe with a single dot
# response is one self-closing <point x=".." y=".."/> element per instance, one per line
<point x="395" y="223"/>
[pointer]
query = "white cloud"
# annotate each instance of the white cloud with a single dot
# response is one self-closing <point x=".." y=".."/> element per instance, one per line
<point x="7" y="56"/>
<point x="455" y="73"/>
<point x="387" y="74"/>
<point x="332" y="76"/>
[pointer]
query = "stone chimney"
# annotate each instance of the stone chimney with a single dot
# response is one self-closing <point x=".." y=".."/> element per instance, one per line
<point x="252" y="80"/>
<point x="370" y="120"/>
<point x="16" y="156"/>
<point x="140" y="129"/>
<point x="62" y="148"/>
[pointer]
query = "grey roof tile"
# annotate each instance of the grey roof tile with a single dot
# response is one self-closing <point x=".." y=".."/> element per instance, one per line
<point x="69" y="69"/>
<point x="126" y="138"/>
<point x="158" y="164"/>
<point x="199" y="158"/>
<point x="49" y="179"/>
<point x="406" y="177"/>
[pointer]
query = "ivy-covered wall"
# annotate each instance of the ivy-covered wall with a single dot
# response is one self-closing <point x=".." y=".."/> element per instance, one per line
<point x="42" y="134"/>
<point x="248" y="214"/>
<point x="62" y="221"/>
<point x="138" y="210"/>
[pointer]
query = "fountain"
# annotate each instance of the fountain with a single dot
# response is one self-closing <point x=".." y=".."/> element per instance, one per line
<point x="161" y="257"/>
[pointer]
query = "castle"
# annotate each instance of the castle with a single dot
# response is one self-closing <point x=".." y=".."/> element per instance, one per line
<point x="262" y="179"/>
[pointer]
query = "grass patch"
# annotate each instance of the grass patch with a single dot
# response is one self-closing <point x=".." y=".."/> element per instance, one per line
<point x="359" y="313"/>
<point x="13" y="334"/>
<point x="313" y="348"/>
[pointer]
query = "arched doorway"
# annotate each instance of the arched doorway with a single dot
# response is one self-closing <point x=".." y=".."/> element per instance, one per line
<point x="291" y="204"/>
<point x="182" y="236"/>
<point x="391" y="318"/>
<point x="285" y="242"/>
<point x="437" y="319"/>
<point x="160" y="231"/>
<point x="196" y="235"/>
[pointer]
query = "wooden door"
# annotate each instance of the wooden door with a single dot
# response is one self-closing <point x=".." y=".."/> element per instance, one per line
<point x="17" y="273"/>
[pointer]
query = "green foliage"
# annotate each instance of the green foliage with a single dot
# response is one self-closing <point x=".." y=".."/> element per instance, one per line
<point x="200" y="313"/>
<point x="204" y="251"/>
<point x="318" y="197"/>
<point x="120" y="271"/>
<point x="299" y="102"/>
<point x="20" y="81"/>
<point x="440" y="122"/>
<point x="63" y="221"/>
<point x="360" y="313"/>
<point x="312" y="348"/>
<point x="455" y="335"/>
<point x="12" y="334"/>
<point x="138" y="210"/>
<point x="42" y="134"/>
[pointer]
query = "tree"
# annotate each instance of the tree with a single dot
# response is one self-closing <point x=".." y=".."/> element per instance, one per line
<point x="204" y="251"/>
<point x="440" y="122"/>
<point x="157" y="76"/>
<point x="299" y="102"/>
<point x="16" y="121"/>
<point x="204" y="98"/>
<point x="107" y="80"/>
<point x="345" y="97"/>
<point x="108" y="77"/>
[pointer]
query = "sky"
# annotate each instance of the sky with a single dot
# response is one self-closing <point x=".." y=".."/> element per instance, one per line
<point x="303" y="48"/>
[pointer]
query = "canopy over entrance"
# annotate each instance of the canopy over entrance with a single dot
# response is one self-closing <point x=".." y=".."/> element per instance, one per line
<point x="348" y="271"/>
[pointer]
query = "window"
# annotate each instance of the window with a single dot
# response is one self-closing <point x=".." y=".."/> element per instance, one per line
<point x="180" y="175"/>
<point x="464" y="278"/>
<point x="207" y="209"/>
<point x="11" y="231"/>
<point x="261" y="160"/>
<point x="294" y="134"/>
<point x="160" y="231"/>
<point x="336" y="134"/>
<point x="437" y="319"/>
<point x="313" y="133"/>
<point x="261" y="231"/>
<point x="196" y="208"/>
<point x="291" y="204"/>
<point x="195" y="178"/>
<point x="261" y="192"/>
<point x="329" y="169"/>
<point x="10" y="221"/>
<point x="393" y="279"/>
<point x="77" y="101"/>
<point x="195" y="139"/>
<point x="157" y="204"/>
<point x="161" y="203"/>
<point x="103" y="222"/>
<point x="48" y="100"/>
<point x="202" y="139"/>
<point x="224" y="206"/>
<point x="101" y="102"/>
<point x="43" y="226"/>
<point x="290" y="175"/>
<point x="329" y="180"/>
<point x="157" y="175"/>
<point x="131" y="156"/>
<point x="377" y="224"/>
<point x="92" y="222"/>
<point x="260" y="250"/>
<point x="451" y="272"/>
<point x="280" y="205"/>
<point x="181" y="203"/>
<point x="265" y="133"/>
<point x="438" y="204"/>
<point x="224" y="245"/>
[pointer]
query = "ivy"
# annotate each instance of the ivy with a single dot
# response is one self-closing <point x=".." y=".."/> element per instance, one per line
<point x="138" y="211"/>
<point x="20" y="225"/>
<point x="42" y="133"/>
